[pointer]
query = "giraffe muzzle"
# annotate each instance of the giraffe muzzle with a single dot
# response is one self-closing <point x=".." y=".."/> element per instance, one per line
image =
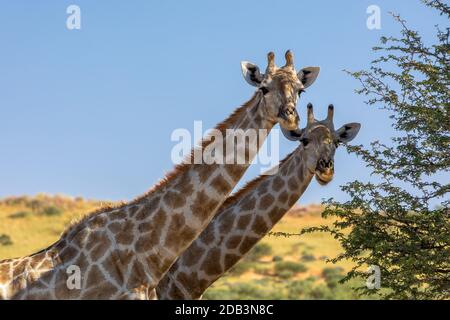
<point x="288" y="118"/>
<point x="324" y="171"/>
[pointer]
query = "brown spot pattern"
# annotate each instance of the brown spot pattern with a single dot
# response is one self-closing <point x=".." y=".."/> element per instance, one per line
<point x="266" y="201"/>
<point x="174" y="199"/>
<point x="220" y="184"/>
<point x="211" y="264"/>
<point x="277" y="184"/>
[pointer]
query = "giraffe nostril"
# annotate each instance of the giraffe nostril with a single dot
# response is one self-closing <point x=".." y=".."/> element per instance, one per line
<point x="325" y="164"/>
<point x="328" y="164"/>
<point x="287" y="114"/>
<point x="322" y="163"/>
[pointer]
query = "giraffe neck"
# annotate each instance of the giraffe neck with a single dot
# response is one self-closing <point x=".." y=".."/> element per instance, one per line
<point x="171" y="217"/>
<point x="120" y="249"/>
<point x="243" y="220"/>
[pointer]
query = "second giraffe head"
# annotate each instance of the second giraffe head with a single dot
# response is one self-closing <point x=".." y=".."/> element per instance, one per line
<point x="281" y="87"/>
<point x="320" y="140"/>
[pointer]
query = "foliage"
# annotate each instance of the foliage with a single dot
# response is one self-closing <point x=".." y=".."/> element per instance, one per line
<point x="399" y="221"/>
<point x="5" y="240"/>
<point x="277" y="258"/>
<point x="19" y="214"/>
<point x="262" y="269"/>
<point x="290" y="266"/>
<point x="269" y="288"/>
<point x="258" y="289"/>
<point x="307" y="257"/>
<point x="51" y="211"/>
<point x="332" y="276"/>
<point x="285" y="274"/>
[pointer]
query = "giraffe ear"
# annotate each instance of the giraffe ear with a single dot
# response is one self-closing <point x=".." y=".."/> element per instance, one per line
<point x="251" y="73"/>
<point x="348" y="132"/>
<point x="308" y="75"/>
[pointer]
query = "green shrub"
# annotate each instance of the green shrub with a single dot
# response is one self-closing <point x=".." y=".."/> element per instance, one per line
<point x="5" y="240"/>
<point x="272" y="288"/>
<point x="219" y="294"/>
<point x="299" y="289"/>
<point x="332" y="276"/>
<point x="262" y="269"/>
<point x="247" y="290"/>
<point x="285" y="274"/>
<point x="19" y="214"/>
<point x="291" y="266"/>
<point x="320" y="292"/>
<point x="332" y="272"/>
<point x="51" y="211"/>
<point x="307" y="258"/>
<point x="260" y="250"/>
<point x="35" y="205"/>
<point x="277" y="258"/>
<point x="312" y="278"/>
<point x="252" y="290"/>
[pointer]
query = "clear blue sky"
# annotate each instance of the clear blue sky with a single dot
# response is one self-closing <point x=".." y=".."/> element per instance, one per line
<point x="90" y="112"/>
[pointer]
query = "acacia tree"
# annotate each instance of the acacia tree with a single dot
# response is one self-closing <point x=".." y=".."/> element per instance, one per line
<point x="400" y="223"/>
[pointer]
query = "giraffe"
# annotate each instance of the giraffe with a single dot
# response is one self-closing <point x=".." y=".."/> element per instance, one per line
<point x="249" y="214"/>
<point x="114" y="252"/>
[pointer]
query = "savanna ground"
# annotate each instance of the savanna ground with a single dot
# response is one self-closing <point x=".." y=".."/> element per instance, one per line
<point x="277" y="268"/>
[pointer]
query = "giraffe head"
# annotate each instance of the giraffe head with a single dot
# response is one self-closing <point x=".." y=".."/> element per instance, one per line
<point x="281" y="87"/>
<point x="322" y="139"/>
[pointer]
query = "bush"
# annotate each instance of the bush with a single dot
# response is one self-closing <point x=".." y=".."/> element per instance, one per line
<point x="51" y="211"/>
<point x="307" y="257"/>
<point x="19" y="214"/>
<point x="332" y="271"/>
<point x="299" y="289"/>
<point x="320" y="292"/>
<point x="285" y="274"/>
<point x="5" y="240"/>
<point x="218" y="294"/>
<point x="291" y="266"/>
<point x="259" y="251"/>
<point x="277" y="258"/>
<point x="252" y="290"/>
<point x="262" y="269"/>
<point x="398" y="219"/>
<point x="247" y="290"/>
<point x="332" y="276"/>
<point x="273" y="288"/>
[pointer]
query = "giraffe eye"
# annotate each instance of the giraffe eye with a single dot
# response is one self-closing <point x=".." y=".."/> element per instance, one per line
<point x="264" y="90"/>
<point x="300" y="92"/>
<point x="304" y="141"/>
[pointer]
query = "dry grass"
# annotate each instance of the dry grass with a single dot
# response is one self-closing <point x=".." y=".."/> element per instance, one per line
<point x="30" y="229"/>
